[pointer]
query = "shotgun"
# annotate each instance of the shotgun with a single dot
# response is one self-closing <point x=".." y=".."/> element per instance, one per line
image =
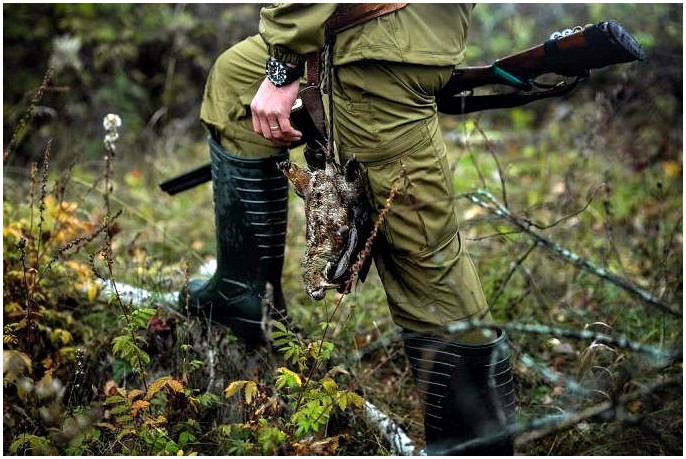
<point x="572" y="53"/>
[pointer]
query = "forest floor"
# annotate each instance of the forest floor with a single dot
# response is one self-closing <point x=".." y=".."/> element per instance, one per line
<point x="572" y="215"/>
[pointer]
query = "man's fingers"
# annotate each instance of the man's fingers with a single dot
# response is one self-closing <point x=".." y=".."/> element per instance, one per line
<point x="282" y="130"/>
<point x="256" y="125"/>
<point x="271" y="109"/>
<point x="271" y="128"/>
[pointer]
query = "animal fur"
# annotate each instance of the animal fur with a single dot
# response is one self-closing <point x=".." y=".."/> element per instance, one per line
<point x="337" y="222"/>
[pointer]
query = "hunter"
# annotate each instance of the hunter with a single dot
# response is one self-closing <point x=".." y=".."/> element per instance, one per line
<point x="388" y="62"/>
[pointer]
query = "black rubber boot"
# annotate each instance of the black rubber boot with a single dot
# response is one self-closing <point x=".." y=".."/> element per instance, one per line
<point x="468" y="393"/>
<point x="251" y="206"/>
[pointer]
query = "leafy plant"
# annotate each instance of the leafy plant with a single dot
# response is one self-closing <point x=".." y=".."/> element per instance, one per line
<point x="309" y="401"/>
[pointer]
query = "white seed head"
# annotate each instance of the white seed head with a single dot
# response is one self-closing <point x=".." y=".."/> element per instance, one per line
<point x="111" y="122"/>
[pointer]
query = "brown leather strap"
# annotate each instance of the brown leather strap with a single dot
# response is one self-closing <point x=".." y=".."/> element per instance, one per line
<point x="349" y="15"/>
<point x="312" y="66"/>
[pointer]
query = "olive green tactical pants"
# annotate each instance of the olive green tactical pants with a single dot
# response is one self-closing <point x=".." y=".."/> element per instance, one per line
<point x="385" y="116"/>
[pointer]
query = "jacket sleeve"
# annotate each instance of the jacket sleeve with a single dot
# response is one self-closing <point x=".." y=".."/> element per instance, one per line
<point x="293" y="30"/>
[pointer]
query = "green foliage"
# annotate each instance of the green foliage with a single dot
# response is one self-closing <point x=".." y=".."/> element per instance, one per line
<point x="271" y="439"/>
<point x="32" y="444"/>
<point x="129" y="345"/>
<point x="157" y="421"/>
<point x="310" y="400"/>
<point x="44" y="342"/>
<point x="147" y="417"/>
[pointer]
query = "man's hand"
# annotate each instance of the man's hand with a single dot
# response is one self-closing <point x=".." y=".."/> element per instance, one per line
<point x="271" y="111"/>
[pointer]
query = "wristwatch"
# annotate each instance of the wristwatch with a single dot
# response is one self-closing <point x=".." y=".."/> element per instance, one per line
<point x="280" y="74"/>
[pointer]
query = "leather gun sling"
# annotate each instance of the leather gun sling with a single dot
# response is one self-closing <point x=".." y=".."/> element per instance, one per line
<point x="346" y="16"/>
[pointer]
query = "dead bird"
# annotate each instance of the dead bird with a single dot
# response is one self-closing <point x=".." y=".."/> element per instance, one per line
<point x="337" y="222"/>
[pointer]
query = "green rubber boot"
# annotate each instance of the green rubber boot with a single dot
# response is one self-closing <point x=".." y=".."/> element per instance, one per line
<point x="251" y="207"/>
<point x="468" y="394"/>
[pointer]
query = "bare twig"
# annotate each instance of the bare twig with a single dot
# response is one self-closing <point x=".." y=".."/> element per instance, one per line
<point x="491" y="150"/>
<point x="28" y="116"/>
<point x="515" y="266"/>
<point x="486" y="200"/>
<point x="539" y="329"/>
<point x="554" y="377"/>
<point x="606" y="410"/>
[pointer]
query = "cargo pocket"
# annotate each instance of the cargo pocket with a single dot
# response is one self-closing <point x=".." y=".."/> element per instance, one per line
<point x="422" y="216"/>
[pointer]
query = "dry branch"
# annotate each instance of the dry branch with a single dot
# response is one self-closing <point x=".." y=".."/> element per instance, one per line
<point x="401" y="444"/>
<point x="659" y="354"/>
<point x="605" y="410"/>
<point x="487" y="201"/>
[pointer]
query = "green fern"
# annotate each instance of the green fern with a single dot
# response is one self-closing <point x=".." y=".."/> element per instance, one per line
<point x="125" y="348"/>
<point x="288" y="343"/>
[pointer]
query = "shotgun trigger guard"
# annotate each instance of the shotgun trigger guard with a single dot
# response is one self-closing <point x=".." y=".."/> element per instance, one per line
<point x="561" y="86"/>
<point x="463" y="103"/>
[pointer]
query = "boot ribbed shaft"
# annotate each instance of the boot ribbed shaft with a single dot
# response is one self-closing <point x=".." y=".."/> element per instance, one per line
<point x="468" y="394"/>
<point x="251" y="206"/>
<point x="258" y="190"/>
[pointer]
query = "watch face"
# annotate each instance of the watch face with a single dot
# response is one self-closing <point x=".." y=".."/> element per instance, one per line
<point x="276" y="72"/>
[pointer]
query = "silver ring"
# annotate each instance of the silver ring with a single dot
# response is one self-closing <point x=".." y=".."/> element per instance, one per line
<point x="274" y="128"/>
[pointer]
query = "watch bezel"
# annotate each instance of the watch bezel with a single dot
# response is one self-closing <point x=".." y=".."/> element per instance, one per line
<point x="280" y="74"/>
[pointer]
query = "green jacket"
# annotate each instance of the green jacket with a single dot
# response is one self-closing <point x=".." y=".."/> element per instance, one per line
<point x="420" y="33"/>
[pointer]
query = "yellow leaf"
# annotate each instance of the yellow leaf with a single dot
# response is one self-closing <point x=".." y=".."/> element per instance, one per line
<point x="60" y="335"/>
<point x="342" y="400"/>
<point x="234" y="387"/>
<point x="329" y="386"/>
<point x="175" y="385"/>
<point x="79" y="268"/>
<point x="133" y="393"/>
<point x="355" y="399"/>
<point x="12" y="308"/>
<point x="250" y="391"/>
<point x="68" y="207"/>
<point x="635" y="406"/>
<point x="160" y="420"/>
<point x="291" y="376"/>
<point x="50" y="204"/>
<point x="156" y="386"/>
<point x="139" y="405"/>
<point x="11" y="230"/>
<point x="671" y="168"/>
<point x="92" y="291"/>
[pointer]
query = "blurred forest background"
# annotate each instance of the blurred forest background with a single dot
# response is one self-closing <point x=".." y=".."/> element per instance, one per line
<point x="583" y="260"/>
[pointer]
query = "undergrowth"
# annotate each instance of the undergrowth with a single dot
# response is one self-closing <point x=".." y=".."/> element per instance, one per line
<point x="56" y="403"/>
<point x="89" y="371"/>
